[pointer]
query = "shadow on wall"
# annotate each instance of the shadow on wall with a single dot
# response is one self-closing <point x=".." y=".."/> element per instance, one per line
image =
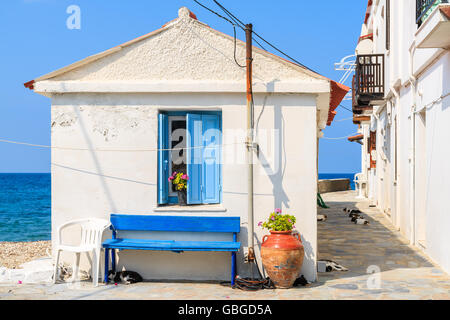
<point x="86" y="135"/>
<point x="275" y="174"/>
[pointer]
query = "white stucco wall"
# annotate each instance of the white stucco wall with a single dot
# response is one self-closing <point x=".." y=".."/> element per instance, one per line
<point x="434" y="83"/>
<point x="95" y="184"/>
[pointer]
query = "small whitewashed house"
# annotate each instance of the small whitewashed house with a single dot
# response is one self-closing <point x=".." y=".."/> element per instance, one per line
<point x="113" y="111"/>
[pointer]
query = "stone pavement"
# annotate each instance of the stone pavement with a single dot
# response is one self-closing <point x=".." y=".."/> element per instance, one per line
<point x="403" y="271"/>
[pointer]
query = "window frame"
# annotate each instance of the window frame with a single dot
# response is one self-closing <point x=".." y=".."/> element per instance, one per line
<point x="173" y="199"/>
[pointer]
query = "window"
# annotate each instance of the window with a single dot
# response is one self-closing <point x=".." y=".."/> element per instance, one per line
<point x="200" y="133"/>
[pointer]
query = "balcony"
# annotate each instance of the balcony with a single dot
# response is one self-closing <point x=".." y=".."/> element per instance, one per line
<point x="424" y="8"/>
<point x="434" y="26"/>
<point x="368" y="82"/>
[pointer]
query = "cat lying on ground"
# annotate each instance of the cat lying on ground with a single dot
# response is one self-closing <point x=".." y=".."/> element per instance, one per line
<point x="351" y="211"/>
<point x="361" y="221"/>
<point x="333" y="266"/>
<point x="126" y="277"/>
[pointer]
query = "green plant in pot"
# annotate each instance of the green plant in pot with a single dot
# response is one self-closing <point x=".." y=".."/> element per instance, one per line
<point x="282" y="251"/>
<point x="180" y="179"/>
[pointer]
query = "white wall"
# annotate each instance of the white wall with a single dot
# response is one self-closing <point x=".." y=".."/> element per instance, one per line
<point x="418" y="201"/>
<point x="434" y="83"/>
<point x="97" y="183"/>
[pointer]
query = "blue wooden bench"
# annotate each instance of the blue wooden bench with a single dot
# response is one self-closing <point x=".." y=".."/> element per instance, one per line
<point x="173" y="224"/>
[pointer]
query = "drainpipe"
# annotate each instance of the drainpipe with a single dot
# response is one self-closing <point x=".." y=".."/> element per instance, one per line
<point x="249" y="61"/>
<point x="412" y="204"/>
<point x="397" y="103"/>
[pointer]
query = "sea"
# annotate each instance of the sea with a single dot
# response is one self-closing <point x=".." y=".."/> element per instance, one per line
<point x="351" y="176"/>
<point x="25" y="205"/>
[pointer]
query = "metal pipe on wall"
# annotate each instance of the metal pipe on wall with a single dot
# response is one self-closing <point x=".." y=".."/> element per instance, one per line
<point x="249" y="61"/>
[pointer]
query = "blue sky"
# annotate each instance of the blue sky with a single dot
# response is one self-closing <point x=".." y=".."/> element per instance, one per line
<point x="35" y="40"/>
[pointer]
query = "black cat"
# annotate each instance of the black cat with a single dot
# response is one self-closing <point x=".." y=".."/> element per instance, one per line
<point x="126" y="277"/>
<point x="352" y="211"/>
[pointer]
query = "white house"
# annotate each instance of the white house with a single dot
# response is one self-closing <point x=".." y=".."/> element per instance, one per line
<point x="401" y="103"/>
<point x="112" y="111"/>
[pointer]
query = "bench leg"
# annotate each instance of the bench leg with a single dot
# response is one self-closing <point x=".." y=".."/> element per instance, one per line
<point x="233" y="267"/>
<point x="106" y="265"/>
<point x="113" y="260"/>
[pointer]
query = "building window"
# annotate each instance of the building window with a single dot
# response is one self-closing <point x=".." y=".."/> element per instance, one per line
<point x="194" y="140"/>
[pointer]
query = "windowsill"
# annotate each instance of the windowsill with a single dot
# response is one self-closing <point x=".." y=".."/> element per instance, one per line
<point x="192" y="208"/>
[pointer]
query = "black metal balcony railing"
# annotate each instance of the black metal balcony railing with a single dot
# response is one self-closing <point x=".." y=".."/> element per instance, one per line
<point x="369" y="78"/>
<point x="424" y="9"/>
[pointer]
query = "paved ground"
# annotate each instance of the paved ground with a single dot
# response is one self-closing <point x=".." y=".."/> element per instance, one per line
<point x="404" y="273"/>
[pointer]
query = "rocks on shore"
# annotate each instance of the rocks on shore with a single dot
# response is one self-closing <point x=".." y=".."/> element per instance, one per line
<point x="13" y="254"/>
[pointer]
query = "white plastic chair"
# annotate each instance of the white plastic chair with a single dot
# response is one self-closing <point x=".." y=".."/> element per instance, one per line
<point x="91" y="241"/>
<point x="360" y="182"/>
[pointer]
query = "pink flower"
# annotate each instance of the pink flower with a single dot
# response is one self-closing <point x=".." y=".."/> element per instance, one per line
<point x="293" y="227"/>
<point x="278" y="210"/>
<point x="290" y="221"/>
<point x="273" y="218"/>
<point x="184" y="177"/>
<point x="260" y="224"/>
<point x="19" y="282"/>
<point x="115" y="284"/>
<point x="170" y="179"/>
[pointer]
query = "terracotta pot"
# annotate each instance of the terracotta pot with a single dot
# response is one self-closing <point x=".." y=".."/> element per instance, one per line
<point x="282" y="255"/>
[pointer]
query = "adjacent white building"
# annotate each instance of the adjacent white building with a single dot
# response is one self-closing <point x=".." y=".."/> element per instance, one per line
<point x="111" y="112"/>
<point x="401" y="103"/>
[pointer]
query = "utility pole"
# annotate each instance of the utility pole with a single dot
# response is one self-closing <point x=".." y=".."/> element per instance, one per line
<point x="249" y="62"/>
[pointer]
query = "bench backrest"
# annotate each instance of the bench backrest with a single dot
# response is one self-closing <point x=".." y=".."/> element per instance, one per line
<point x="175" y="223"/>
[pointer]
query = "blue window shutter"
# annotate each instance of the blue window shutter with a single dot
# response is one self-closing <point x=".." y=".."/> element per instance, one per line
<point x="211" y="167"/>
<point x="163" y="159"/>
<point x="194" y="158"/>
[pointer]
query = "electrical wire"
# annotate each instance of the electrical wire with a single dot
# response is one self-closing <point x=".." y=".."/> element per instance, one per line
<point x="235" y="60"/>
<point x="238" y="22"/>
<point x="339" y="138"/>
<point x="234" y="24"/>
<point x="340" y="120"/>
<point x="233" y="17"/>
<point x="114" y="150"/>
<point x="210" y="10"/>
<point x="345" y="108"/>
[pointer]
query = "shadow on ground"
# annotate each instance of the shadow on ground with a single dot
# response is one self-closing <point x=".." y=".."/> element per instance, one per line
<point x="362" y="248"/>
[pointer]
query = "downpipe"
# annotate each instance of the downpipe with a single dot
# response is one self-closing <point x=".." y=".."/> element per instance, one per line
<point x="412" y="165"/>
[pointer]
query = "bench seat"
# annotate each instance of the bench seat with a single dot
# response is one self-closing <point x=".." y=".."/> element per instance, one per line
<point x="179" y="224"/>
<point x="171" y="245"/>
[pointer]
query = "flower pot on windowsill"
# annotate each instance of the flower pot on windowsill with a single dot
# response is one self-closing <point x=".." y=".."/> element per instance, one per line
<point x="282" y="255"/>
<point x="182" y="197"/>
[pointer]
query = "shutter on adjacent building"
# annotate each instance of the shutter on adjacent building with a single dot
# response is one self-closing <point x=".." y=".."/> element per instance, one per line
<point x="163" y="160"/>
<point x="373" y="147"/>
